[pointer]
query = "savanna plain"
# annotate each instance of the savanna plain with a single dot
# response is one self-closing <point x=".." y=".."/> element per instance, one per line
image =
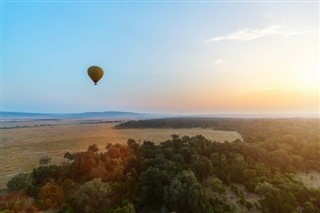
<point x="22" y="148"/>
<point x="162" y="165"/>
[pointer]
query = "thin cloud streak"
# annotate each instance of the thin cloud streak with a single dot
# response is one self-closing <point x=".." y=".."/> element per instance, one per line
<point x="252" y="34"/>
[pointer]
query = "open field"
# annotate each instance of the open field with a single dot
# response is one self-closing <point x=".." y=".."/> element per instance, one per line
<point x="21" y="148"/>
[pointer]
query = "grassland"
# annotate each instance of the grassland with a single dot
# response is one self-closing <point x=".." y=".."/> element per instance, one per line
<point x="21" y="148"/>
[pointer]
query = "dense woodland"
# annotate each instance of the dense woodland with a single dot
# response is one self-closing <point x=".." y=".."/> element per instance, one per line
<point x="183" y="174"/>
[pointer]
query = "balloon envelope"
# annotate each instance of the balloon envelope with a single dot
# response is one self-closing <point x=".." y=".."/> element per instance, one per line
<point x="95" y="73"/>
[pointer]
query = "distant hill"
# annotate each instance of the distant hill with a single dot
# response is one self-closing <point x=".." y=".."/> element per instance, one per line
<point x="84" y="115"/>
<point x="118" y="115"/>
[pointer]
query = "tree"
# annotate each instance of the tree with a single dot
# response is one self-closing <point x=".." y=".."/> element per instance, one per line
<point x="16" y="202"/>
<point x="184" y="193"/>
<point x="276" y="200"/>
<point x="51" y="195"/>
<point x="249" y="174"/>
<point x="202" y="167"/>
<point x="19" y="182"/>
<point x="114" y="152"/>
<point x="153" y="182"/>
<point x="280" y="159"/>
<point x="93" y="148"/>
<point x="69" y="156"/>
<point x="93" y="197"/>
<point x="43" y="174"/>
<point x="217" y="186"/>
<point x="215" y="159"/>
<point x="44" y="160"/>
<point x="291" y="140"/>
<point x="134" y="146"/>
<point x="309" y="208"/>
<point x="128" y="208"/>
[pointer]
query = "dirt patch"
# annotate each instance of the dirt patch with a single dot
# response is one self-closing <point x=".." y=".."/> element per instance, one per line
<point x="310" y="179"/>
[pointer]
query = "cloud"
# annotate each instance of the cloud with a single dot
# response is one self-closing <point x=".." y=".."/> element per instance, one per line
<point x="219" y="61"/>
<point x="251" y="34"/>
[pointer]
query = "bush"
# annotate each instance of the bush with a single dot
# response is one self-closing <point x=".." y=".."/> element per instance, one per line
<point x="129" y="208"/>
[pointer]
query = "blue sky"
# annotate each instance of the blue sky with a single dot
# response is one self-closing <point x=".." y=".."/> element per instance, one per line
<point x="161" y="57"/>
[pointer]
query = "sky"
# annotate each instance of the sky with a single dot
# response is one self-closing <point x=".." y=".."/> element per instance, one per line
<point x="161" y="57"/>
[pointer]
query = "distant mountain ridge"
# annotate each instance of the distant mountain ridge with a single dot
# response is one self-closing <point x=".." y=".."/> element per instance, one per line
<point x="105" y="114"/>
<point x="5" y="115"/>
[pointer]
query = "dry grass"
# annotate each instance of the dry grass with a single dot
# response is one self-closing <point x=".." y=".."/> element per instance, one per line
<point x="233" y="199"/>
<point x="21" y="148"/>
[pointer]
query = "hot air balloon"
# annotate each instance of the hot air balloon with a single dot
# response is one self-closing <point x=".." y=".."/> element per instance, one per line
<point x="95" y="73"/>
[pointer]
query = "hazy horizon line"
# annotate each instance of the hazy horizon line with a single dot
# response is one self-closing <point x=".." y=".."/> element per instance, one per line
<point x="172" y="114"/>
